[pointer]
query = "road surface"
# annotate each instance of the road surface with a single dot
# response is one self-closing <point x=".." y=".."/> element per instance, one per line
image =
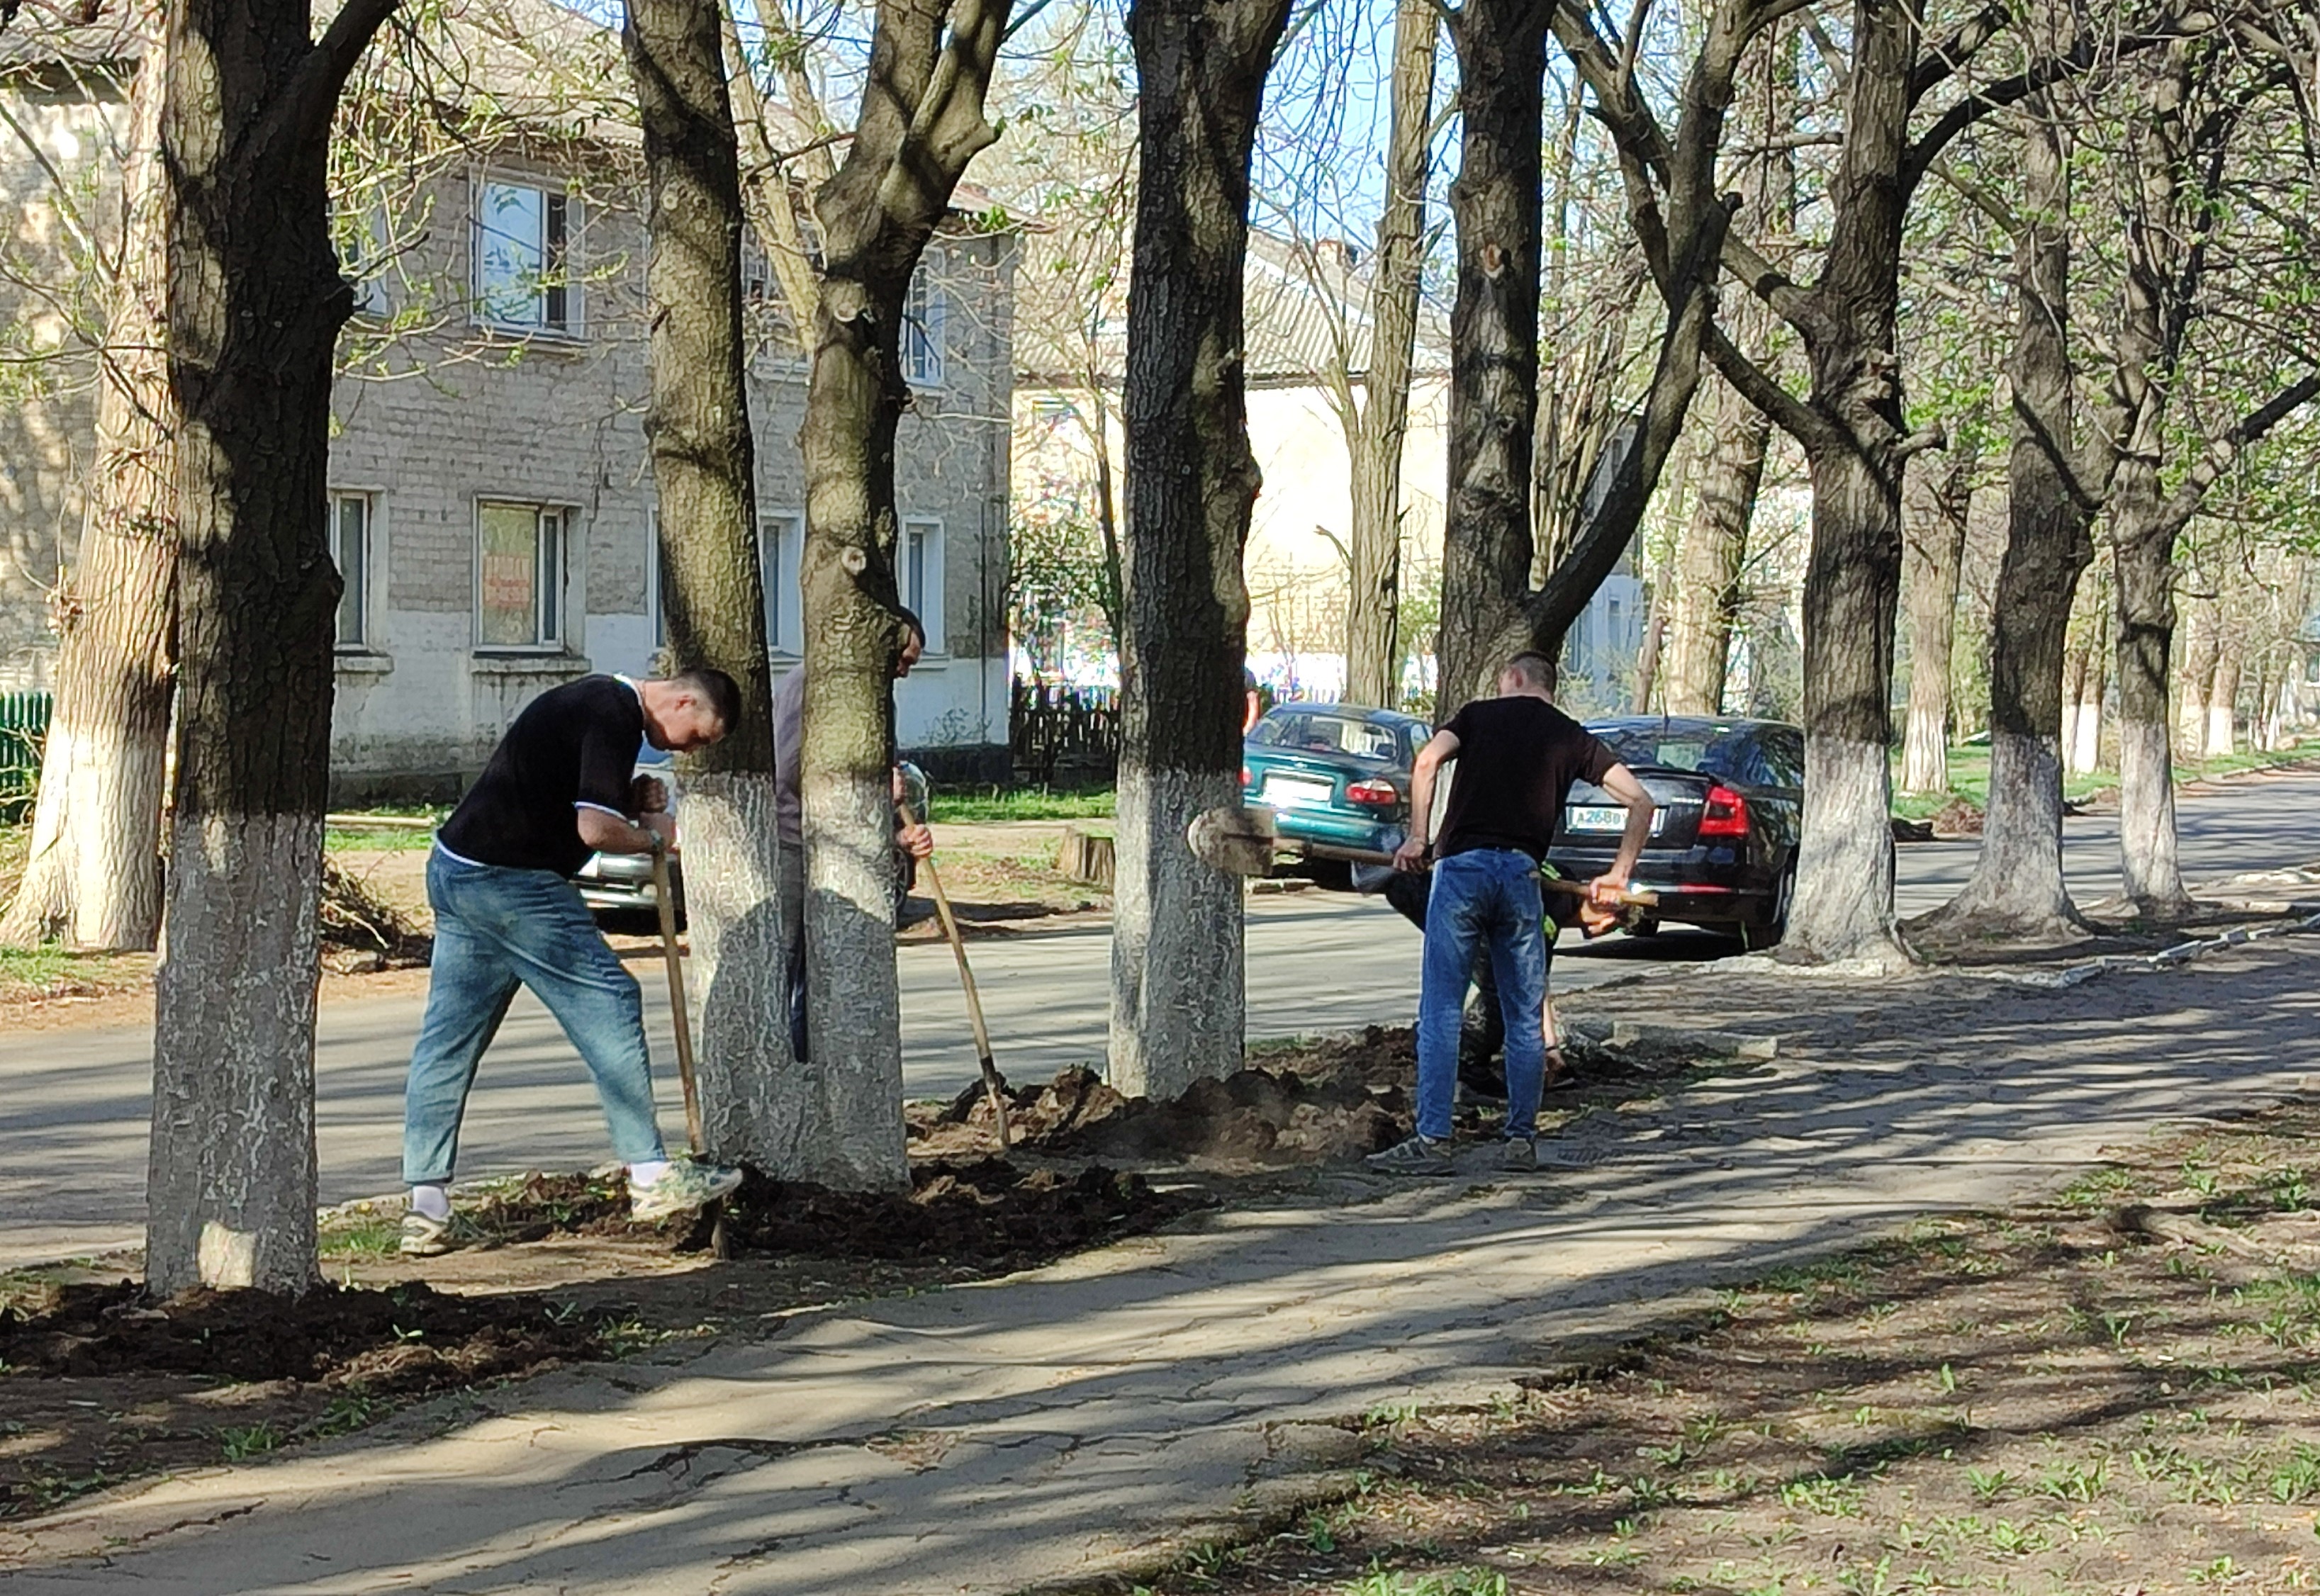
<point x="73" y="1114"/>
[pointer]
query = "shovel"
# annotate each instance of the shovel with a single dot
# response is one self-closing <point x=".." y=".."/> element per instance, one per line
<point x="680" y="1022"/>
<point x="991" y="1082"/>
<point x="1244" y="841"/>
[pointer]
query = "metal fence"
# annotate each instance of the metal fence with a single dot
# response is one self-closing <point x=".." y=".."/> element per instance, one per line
<point x="24" y="729"/>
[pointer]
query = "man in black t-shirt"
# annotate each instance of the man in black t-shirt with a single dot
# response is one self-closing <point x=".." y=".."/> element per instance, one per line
<point x="560" y="786"/>
<point x="1517" y="755"/>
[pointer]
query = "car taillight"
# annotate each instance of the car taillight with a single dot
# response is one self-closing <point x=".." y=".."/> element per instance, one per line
<point x="1727" y="814"/>
<point x="1372" y="791"/>
<point x="1247" y="780"/>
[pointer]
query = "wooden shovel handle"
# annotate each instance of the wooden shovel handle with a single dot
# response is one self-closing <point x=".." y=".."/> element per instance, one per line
<point x="666" y="902"/>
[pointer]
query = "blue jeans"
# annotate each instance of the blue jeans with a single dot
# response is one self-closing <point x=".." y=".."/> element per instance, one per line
<point x="496" y="930"/>
<point x="1488" y="899"/>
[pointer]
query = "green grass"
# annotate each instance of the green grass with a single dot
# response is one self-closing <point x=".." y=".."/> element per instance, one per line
<point x="375" y="839"/>
<point x="38" y="967"/>
<point x="988" y="805"/>
<point x="1970" y="777"/>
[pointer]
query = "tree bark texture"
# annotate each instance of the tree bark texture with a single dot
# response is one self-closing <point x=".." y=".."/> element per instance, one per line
<point x="921" y="122"/>
<point x="754" y="1098"/>
<point x="2016" y="891"/>
<point x="1495" y="200"/>
<point x="1712" y="549"/>
<point x="255" y="304"/>
<point x="1710" y="553"/>
<point x="1176" y="972"/>
<point x="1853" y="444"/>
<point x="1373" y="650"/>
<point x="93" y="876"/>
<point x="2143" y="549"/>
<point x="1937" y="498"/>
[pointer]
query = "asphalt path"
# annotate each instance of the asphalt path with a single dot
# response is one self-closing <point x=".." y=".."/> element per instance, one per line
<point x="74" y="1103"/>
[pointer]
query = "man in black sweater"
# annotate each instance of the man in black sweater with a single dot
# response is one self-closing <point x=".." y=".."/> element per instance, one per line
<point x="560" y="786"/>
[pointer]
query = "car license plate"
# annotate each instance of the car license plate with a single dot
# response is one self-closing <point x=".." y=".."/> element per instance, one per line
<point x="1281" y="790"/>
<point x="1607" y="816"/>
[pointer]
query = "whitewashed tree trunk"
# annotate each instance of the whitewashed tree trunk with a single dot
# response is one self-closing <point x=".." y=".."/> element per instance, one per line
<point x="2086" y="724"/>
<point x="93" y="876"/>
<point x="2224" y="703"/>
<point x="230" y="1180"/>
<point x="751" y="1110"/>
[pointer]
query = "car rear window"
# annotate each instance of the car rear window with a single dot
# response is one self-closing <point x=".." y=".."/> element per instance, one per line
<point x="1302" y="731"/>
<point x="1732" y="756"/>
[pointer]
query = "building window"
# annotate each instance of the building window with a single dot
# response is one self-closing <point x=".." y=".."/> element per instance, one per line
<point x="522" y="257"/>
<point x="656" y="579"/>
<point x="350" y="539"/>
<point x="923" y="314"/>
<point x="918" y="574"/>
<point x="781" y="545"/>
<point x="519" y="566"/>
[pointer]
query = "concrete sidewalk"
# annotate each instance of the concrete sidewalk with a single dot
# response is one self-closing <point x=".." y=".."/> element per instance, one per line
<point x="990" y="1438"/>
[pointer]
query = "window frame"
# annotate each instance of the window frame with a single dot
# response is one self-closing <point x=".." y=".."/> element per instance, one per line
<point x="926" y="310"/>
<point x="557" y="294"/>
<point x="929" y="611"/>
<point x="551" y="599"/>
<point x="780" y="563"/>
<point x="363" y="586"/>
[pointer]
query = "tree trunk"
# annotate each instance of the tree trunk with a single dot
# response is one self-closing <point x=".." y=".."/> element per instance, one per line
<point x="2224" y="697"/>
<point x="1854" y="444"/>
<point x="255" y="306"/>
<point x="1176" y="974"/>
<point x="2017" y="890"/>
<point x="912" y="144"/>
<point x="2086" y="726"/>
<point x="1486" y="553"/>
<point x="1842" y="907"/>
<point x="2201" y="649"/>
<point x="1934" y="531"/>
<point x="1709" y="555"/>
<point x="2142" y="545"/>
<point x="1372" y="610"/>
<point x="754" y="1105"/>
<point x="93" y="876"/>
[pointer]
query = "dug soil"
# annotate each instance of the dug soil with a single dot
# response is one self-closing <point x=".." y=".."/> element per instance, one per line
<point x="98" y="1384"/>
<point x="2115" y="1390"/>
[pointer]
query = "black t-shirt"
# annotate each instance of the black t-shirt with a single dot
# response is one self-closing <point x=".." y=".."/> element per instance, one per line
<point x="572" y="747"/>
<point x="1516" y="759"/>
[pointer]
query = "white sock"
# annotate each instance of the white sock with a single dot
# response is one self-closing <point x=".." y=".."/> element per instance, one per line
<point x="434" y="1201"/>
<point x="644" y="1176"/>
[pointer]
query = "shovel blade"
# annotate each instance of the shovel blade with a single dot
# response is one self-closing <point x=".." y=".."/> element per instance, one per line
<point x="1235" y="841"/>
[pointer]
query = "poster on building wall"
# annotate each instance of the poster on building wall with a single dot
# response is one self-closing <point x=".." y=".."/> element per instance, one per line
<point x="508" y="598"/>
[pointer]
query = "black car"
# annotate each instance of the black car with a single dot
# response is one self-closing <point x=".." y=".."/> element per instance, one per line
<point x="1723" y="849"/>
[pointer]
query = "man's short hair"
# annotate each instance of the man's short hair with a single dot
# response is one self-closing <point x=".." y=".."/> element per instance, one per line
<point x="1535" y="669"/>
<point x="718" y="691"/>
<point x="911" y="618"/>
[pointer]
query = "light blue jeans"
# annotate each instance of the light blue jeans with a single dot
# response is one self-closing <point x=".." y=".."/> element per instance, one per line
<point x="1485" y="898"/>
<point x="496" y="930"/>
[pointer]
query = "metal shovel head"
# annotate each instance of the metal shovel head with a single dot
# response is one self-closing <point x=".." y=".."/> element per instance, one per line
<point x="1235" y="841"/>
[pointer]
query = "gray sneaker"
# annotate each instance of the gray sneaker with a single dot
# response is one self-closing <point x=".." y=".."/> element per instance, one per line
<point x="424" y="1237"/>
<point x="1518" y="1153"/>
<point x="1415" y="1155"/>
<point x="686" y="1186"/>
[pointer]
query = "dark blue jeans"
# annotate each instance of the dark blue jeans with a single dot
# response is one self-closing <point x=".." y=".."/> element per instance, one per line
<point x="497" y="929"/>
<point x="1485" y="901"/>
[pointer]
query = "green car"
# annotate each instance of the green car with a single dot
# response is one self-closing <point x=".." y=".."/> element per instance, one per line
<point x="1333" y="773"/>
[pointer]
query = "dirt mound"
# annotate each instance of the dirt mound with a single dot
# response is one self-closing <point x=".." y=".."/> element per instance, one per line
<point x="409" y="1338"/>
<point x="990" y="1212"/>
<point x="985" y="1214"/>
<point x="1333" y="1100"/>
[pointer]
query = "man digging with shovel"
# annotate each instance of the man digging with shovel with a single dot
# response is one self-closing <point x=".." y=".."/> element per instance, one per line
<point x="1517" y="755"/>
<point x="556" y="789"/>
